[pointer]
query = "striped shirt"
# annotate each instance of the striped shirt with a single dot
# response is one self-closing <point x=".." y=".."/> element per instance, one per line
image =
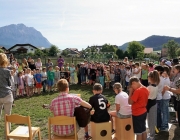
<point x="64" y="105"/>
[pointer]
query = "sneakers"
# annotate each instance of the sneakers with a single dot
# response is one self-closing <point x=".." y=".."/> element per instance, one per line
<point x="87" y="137"/>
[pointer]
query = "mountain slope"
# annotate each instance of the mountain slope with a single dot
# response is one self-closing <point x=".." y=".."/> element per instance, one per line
<point x="20" y="34"/>
<point x="156" y="42"/>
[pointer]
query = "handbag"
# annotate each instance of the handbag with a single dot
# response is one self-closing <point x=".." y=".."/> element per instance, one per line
<point x="82" y="115"/>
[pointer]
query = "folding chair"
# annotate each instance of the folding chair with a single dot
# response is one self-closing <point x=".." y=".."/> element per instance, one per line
<point x="62" y="120"/>
<point x="21" y="132"/>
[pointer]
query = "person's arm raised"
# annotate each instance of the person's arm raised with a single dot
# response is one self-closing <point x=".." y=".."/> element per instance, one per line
<point x="85" y="104"/>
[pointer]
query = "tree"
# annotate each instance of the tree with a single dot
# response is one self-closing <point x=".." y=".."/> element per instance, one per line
<point x="134" y="48"/>
<point x="38" y="52"/>
<point x="172" y="47"/>
<point x="65" y="53"/>
<point x="120" y="54"/>
<point x="140" y="55"/>
<point x="53" y="51"/>
<point x="126" y="54"/>
<point x="108" y="48"/>
<point x="178" y="52"/>
<point x="45" y="52"/>
<point x="1" y="51"/>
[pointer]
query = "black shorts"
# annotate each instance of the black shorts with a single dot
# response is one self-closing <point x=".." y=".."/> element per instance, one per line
<point x="139" y="123"/>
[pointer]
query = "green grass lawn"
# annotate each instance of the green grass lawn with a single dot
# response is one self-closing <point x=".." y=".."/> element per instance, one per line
<point x="39" y="117"/>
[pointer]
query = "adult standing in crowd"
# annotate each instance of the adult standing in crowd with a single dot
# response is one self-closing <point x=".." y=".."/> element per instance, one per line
<point x="49" y="63"/>
<point x="29" y="60"/>
<point x="32" y="65"/>
<point x="24" y="64"/>
<point x="38" y="64"/>
<point x="175" y="88"/>
<point x="6" y="97"/>
<point x="60" y="62"/>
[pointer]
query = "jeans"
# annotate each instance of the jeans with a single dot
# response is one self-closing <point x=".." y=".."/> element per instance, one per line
<point x="165" y="114"/>
<point x="101" y="80"/>
<point x="159" y="113"/>
<point x="83" y="78"/>
<point x="44" y="83"/>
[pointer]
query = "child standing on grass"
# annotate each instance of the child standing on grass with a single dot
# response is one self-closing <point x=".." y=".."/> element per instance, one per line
<point x="20" y="84"/>
<point x="72" y="74"/>
<point x="138" y="98"/>
<point x="144" y="75"/>
<point x="56" y="76"/>
<point x="44" y="79"/>
<point x="29" y="82"/>
<point x="153" y="79"/>
<point x="38" y="81"/>
<point x="50" y="77"/>
<point x="107" y="78"/>
<point x="128" y="75"/>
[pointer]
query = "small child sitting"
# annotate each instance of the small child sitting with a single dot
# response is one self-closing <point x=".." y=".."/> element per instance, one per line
<point x="100" y="105"/>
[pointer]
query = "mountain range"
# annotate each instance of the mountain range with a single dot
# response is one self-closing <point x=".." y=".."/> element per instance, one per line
<point x="21" y="34"/>
<point x="155" y="41"/>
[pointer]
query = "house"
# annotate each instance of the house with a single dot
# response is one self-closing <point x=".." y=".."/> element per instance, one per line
<point x="22" y="48"/>
<point x="3" y="48"/>
<point x="72" y="52"/>
<point x="148" y="50"/>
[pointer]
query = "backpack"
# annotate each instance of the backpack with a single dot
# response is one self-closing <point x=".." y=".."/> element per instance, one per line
<point x="82" y="115"/>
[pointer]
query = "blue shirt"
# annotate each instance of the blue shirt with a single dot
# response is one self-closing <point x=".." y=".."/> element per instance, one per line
<point x="38" y="77"/>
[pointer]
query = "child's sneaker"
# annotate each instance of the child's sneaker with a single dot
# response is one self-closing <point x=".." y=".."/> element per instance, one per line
<point x="87" y="137"/>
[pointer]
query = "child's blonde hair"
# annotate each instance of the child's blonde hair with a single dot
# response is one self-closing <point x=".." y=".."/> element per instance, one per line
<point x="3" y="60"/>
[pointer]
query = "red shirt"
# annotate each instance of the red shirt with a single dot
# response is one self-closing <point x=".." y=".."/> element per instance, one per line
<point x="140" y="99"/>
<point x="64" y="105"/>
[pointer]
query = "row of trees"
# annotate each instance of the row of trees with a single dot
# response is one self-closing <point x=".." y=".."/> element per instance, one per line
<point x="134" y="50"/>
<point x="173" y="49"/>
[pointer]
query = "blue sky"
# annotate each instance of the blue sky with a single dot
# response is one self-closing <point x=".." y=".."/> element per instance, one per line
<point x="82" y="23"/>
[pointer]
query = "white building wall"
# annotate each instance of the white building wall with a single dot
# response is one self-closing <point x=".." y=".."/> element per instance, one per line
<point x="30" y="48"/>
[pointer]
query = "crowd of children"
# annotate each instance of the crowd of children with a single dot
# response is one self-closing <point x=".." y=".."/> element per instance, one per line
<point x="148" y="77"/>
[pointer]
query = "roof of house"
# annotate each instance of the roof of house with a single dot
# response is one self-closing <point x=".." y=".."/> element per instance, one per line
<point x="22" y="46"/>
<point x="148" y="50"/>
<point x="1" y="47"/>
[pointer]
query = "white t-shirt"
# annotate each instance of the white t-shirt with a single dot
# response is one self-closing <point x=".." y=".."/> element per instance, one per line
<point x="153" y="91"/>
<point x="30" y="80"/>
<point x="122" y="100"/>
<point x="44" y="76"/>
<point x="138" y="75"/>
<point x="160" y="88"/>
<point x="128" y="75"/>
<point x="167" y="94"/>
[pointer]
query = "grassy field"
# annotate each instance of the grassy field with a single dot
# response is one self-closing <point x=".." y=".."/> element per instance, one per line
<point x="39" y="117"/>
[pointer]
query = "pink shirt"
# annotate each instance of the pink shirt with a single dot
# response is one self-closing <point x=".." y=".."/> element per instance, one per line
<point x="64" y="105"/>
